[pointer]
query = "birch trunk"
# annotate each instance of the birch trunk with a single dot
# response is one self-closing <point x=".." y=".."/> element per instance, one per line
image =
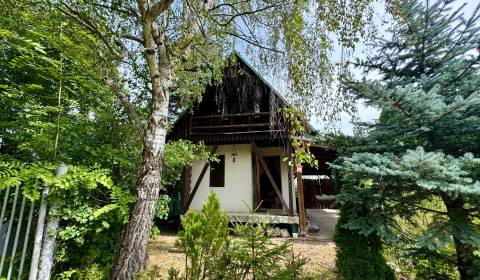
<point x="48" y="249"/>
<point x="132" y="251"/>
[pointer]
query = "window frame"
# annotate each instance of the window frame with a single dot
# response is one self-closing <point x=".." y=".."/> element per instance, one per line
<point x="217" y="179"/>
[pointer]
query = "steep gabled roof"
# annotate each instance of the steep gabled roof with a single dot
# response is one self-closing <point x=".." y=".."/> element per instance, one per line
<point x="182" y="129"/>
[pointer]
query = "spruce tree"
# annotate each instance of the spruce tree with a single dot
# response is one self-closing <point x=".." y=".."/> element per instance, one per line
<point x="426" y="145"/>
<point x="359" y="256"/>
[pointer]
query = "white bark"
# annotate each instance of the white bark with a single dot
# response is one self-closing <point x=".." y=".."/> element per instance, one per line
<point x="48" y="248"/>
<point x="132" y="252"/>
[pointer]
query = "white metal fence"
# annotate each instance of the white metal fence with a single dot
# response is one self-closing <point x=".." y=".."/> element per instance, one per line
<point x="21" y="246"/>
<point x="15" y="233"/>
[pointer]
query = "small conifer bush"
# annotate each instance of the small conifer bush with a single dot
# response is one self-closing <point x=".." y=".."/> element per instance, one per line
<point x="211" y="252"/>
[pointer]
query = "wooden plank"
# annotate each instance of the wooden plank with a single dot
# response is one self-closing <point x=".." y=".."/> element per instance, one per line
<point x="301" y="204"/>
<point x="290" y="179"/>
<point x="257" y="183"/>
<point x="232" y="126"/>
<point x="270" y="177"/>
<point x="185" y="185"/>
<point x="236" y="217"/>
<point x="240" y="132"/>
<point x="199" y="180"/>
<point x="232" y="115"/>
<point x="272" y="181"/>
<point x="189" y="125"/>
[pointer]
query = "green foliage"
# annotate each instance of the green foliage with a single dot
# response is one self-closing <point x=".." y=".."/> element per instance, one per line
<point x="179" y="154"/>
<point x="359" y="256"/>
<point x="204" y="236"/>
<point x="169" y="52"/>
<point x="292" y="39"/>
<point x="326" y="273"/>
<point x="255" y="256"/>
<point x="162" y="209"/>
<point x="411" y="258"/>
<point x="44" y="59"/>
<point x="425" y="146"/>
<point x="55" y="104"/>
<point x="176" y="156"/>
<point x="92" y="272"/>
<point x="51" y="87"/>
<point x="92" y="210"/>
<point x="14" y="173"/>
<point x="151" y="274"/>
<point x="433" y="264"/>
<point x="298" y="129"/>
<point x="213" y="254"/>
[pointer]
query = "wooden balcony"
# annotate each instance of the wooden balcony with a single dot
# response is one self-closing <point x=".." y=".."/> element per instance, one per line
<point x="230" y="124"/>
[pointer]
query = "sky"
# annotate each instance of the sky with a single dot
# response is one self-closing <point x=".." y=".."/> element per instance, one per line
<point x="364" y="113"/>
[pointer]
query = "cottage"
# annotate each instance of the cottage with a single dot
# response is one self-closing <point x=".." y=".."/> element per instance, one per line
<point x="241" y="121"/>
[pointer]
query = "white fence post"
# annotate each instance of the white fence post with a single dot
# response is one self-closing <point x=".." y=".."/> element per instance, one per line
<point x="9" y="229"/>
<point x="4" y="207"/>
<point x="37" y="243"/>
<point x="50" y="235"/>
<point x="47" y="254"/>
<point x="25" y="242"/>
<point x="15" y="242"/>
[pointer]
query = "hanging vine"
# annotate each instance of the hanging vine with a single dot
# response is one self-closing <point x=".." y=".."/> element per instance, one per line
<point x="298" y="130"/>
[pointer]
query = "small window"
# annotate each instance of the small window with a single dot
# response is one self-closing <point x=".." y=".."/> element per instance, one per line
<point x="217" y="172"/>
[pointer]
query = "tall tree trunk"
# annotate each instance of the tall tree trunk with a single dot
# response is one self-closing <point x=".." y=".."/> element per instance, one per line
<point x="465" y="253"/>
<point x="132" y="252"/>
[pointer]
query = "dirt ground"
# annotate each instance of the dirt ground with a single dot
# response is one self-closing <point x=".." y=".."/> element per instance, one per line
<point x="320" y="255"/>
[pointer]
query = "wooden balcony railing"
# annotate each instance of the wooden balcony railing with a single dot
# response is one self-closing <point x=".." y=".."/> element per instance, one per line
<point x="230" y="123"/>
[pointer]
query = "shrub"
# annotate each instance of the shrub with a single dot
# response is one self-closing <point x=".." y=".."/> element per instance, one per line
<point x="212" y="254"/>
<point x="204" y="239"/>
<point x="359" y="256"/>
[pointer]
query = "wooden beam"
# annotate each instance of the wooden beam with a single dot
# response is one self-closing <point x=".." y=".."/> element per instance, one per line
<point x="183" y="188"/>
<point x="189" y="124"/>
<point x="257" y="183"/>
<point x="290" y="180"/>
<point x="232" y="115"/>
<point x="232" y="126"/>
<point x="236" y="133"/>
<point x="197" y="183"/>
<point x="270" y="177"/>
<point x="185" y="185"/>
<point x="301" y="202"/>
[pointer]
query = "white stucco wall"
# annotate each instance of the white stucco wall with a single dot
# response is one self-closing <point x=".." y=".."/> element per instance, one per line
<point x="238" y="193"/>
